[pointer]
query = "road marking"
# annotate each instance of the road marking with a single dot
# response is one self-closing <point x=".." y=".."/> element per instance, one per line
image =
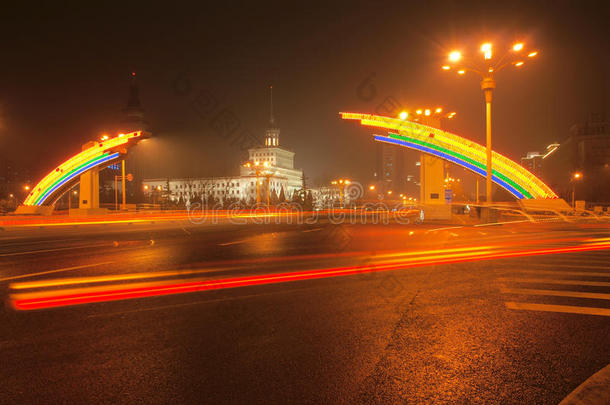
<point x="505" y="222"/>
<point x="31" y="252"/>
<point x="577" y="260"/>
<point x="567" y="309"/>
<point x="555" y="293"/>
<point x="24" y="241"/>
<point x="54" y="271"/>
<point x="313" y="230"/>
<point x="553" y="281"/>
<point x="444" y="229"/>
<point x="115" y="277"/>
<point x="199" y="302"/>
<point x="567" y="273"/>
<point x="232" y="243"/>
<point x="574" y="266"/>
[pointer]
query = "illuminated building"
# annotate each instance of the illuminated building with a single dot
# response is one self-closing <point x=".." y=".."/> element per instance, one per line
<point x="278" y="161"/>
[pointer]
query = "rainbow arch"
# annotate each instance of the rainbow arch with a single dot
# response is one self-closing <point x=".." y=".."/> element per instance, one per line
<point x="101" y="153"/>
<point x="506" y="173"/>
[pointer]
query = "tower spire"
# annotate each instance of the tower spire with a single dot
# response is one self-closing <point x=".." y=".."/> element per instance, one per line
<point x="271" y="119"/>
<point x="134" y="93"/>
<point x="272" y="134"/>
<point x="133" y="114"/>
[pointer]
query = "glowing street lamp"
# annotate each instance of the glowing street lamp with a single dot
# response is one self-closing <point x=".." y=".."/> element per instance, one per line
<point x="455" y="56"/>
<point x="341" y="183"/>
<point x="264" y="169"/>
<point x="487" y="70"/>
<point x="575" y="177"/>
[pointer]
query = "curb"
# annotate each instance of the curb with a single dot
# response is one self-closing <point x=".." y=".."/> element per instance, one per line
<point x="595" y="390"/>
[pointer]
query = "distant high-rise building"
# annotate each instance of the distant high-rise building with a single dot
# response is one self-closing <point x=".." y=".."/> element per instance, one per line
<point x="533" y="162"/>
<point x="586" y="151"/>
<point x="395" y="169"/>
<point x="133" y="120"/>
<point x="391" y="172"/>
<point x="590" y="149"/>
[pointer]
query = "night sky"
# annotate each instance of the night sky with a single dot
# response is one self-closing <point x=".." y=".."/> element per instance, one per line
<point x="65" y="76"/>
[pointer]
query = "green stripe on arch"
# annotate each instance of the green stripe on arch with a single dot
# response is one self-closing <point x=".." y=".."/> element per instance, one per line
<point x="462" y="157"/>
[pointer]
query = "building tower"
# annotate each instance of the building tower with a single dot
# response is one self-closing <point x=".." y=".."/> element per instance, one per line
<point x="133" y="120"/>
<point x="272" y="134"/>
<point x="133" y="114"/>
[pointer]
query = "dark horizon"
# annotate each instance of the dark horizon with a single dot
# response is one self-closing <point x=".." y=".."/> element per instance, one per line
<point x="69" y="75"/>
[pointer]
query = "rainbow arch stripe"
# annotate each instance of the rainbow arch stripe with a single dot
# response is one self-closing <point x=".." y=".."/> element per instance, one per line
<point x="506" y="173"/>
<point x="54" y="184"/>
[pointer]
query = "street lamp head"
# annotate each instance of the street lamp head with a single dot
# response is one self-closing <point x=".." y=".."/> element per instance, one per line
<point x="372" y="187"/>
<point x="532" y="54"/>
<point x="486" y="49"/>
<point x="461" y="72"/>
<point x="455" y="56"/>
<point x="427" y="112"/>
<point x="445" y="67"/>
<point x="438" y="110"/>
<point x="518" y="47"/>
<point x="577" y="176"/>
<point x="418" y="112"/>
<point x="26" y="188"/>
<point x="519" y="63"/>
<point x="403" y="115"/>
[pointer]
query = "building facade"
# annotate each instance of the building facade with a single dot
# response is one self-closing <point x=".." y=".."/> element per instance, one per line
<point x="270" y="164"/>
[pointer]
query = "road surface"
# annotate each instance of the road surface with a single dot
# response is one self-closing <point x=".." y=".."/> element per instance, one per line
<point x="318" y="313"/>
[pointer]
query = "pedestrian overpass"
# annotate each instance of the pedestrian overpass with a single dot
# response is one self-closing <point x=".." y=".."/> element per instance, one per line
<point x="81" y="168"/>
<point x="458" y="150"/>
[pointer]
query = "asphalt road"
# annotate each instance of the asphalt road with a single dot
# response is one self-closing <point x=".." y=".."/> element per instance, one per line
<point x="377" y="314"/>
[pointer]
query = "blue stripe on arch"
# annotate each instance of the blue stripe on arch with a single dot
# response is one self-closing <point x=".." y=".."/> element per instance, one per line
<point x="73" y="175"/>
<point x="450" y="158"/>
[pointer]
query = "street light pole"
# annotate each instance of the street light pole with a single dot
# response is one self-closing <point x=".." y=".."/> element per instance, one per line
<point x="488" y="84"/>
<point x="123" y="181"/>
<point x="487" y="71"/>
<point x="258" y="196"/>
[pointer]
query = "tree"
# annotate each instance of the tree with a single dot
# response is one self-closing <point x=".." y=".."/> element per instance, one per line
<point x="308" y="203"/>
<point x="273" y="198"/>
<point x="282" y="197"/>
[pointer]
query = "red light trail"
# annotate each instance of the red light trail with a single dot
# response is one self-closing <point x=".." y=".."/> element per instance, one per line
<point x="60" y="298"/>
